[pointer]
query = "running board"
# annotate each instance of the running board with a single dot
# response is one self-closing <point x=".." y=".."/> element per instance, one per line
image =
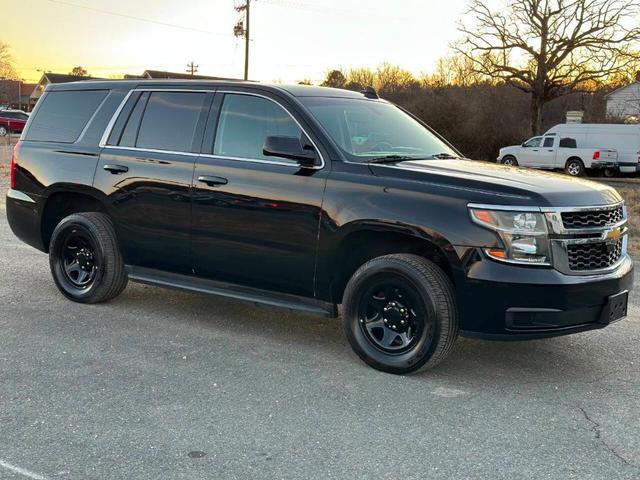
<point x="150" y="276"/>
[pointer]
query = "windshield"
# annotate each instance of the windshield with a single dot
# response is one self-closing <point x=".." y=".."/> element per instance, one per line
<point x="370" y="129"/>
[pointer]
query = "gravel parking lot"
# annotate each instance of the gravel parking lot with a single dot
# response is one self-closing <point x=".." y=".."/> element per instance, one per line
<point x="166" y="385"/>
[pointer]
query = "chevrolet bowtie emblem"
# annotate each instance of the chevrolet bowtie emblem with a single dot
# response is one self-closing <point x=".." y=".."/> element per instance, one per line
<point x="613" y="234"/>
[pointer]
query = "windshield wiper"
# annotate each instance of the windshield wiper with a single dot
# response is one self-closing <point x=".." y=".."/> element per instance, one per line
<point x="393" y="159"/>
<point x="444" y="156"/>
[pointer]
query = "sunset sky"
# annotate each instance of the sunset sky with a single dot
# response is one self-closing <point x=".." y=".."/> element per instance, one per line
<point x="292" y="39"/>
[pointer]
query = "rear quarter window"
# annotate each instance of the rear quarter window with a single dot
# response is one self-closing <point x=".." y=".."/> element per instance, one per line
<point x="63" y="115"/>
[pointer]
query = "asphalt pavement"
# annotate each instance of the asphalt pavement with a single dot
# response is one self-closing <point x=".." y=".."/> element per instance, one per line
<point x="161" y="384"/>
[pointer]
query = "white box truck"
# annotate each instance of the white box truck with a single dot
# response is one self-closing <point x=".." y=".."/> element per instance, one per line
<point x="576" y="147"/>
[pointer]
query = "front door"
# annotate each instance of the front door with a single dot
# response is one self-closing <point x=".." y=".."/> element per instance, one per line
<point x="528" y="155"/>
<point x="255" y="217"/>
<point x="146" y="169"/>
<point x="547" y="153"/>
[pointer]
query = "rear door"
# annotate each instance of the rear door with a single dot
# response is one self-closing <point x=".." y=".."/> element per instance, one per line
<point x="146" y="168"/>
<point x="255" y="218"/>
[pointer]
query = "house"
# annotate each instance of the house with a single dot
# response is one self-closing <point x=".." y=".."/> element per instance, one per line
<point x="624" y="102"/>
<point x="49" y="77"/>
<point x="16" y="94"/>
<point x="160" y="74"/>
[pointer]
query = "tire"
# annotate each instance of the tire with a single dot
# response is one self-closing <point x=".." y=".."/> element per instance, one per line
<point x="610" y="172"/>
<point x="410" y="288"/>
<point x="574" y="167"/>
<point x="85" y="260"/>
<point x="4" y="131"/>
<point x="510" y="160"/>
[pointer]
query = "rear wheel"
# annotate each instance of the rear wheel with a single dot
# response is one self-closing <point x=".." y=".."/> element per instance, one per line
<point x="574" y="167"/>
<point x="399" y="313"/>
<point x="85" y="261"/>
<point x="4" y="131"/>
<point x="510" y="160"/>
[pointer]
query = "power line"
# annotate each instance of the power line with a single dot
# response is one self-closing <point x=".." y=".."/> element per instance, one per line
<point x="140" y="19"/>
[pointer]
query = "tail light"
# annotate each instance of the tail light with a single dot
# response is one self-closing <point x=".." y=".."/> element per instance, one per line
<point x="13" y="165"/>
<point x="596" y="155"/>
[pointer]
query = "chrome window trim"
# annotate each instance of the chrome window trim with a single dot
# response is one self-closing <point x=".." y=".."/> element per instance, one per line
<point x="95" y="113"/>
<point x="114" y="117"/>
<point x="255" y="160"/>
<point x="112" y="120"/>
<point x="150" y="150"/>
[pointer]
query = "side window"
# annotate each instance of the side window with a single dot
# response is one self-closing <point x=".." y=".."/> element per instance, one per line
<point x="534" y="142"/>
<point x="548" y="142"/>
<point x="169" y="121"/>
<point x="130" y="132"/>
<point x="63" y="114"/>
<point x="246" y="121"/>
<point x="568" y="143"/>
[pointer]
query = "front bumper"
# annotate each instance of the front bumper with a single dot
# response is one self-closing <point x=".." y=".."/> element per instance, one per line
<point x="508" y="302"/>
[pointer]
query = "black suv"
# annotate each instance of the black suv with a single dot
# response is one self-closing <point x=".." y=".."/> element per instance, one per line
<point x="306" y="198"/>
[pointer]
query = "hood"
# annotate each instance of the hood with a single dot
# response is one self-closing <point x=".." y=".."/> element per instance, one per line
<point x="491" y="183"/>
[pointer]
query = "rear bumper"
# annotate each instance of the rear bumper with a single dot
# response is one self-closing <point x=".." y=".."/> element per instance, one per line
<point x="23" y="215"/>
<point x="506" y="302"/>
<point x="597" y="165"/>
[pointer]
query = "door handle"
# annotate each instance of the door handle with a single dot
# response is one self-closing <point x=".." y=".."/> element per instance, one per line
<point x="535" y="150"/>
<point x="212" y="181"/>
<point x="116" y="169"/>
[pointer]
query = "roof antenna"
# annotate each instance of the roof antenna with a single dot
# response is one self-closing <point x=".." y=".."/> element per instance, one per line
<point x="369" y="92"/>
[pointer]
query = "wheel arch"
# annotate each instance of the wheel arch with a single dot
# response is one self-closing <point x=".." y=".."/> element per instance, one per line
<point x="361" y="241"/>
<point x="63" y="200"/>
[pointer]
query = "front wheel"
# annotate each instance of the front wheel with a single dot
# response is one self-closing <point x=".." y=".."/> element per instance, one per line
<point x="85" y="261"/>
<point x="399" y="313"/>
<point x="4" y="131"/>
<point x="574" y="167"/>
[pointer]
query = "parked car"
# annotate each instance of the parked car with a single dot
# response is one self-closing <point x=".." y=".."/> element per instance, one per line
<point x="552" y="152"/>
<point x="308" y="198"/>
<point x="12" y="121"/>
<point x="624" y="139"/>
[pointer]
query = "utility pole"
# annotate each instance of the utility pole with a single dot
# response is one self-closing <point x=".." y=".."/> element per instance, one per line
<point x="192" y="68"/>
<point x="240" y="30"/>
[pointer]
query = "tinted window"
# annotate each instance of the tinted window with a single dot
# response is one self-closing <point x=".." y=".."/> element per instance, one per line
<point x="130" y="132"/>
<point x="169" y="121"/>
<point x="568" y="143"/>
<point x="7" y="115"/>
<point x="548" y="142"/>
<point x="61" y="116"/>
<point x="246" y="121"/>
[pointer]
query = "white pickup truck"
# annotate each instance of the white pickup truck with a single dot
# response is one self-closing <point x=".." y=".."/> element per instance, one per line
<point x="552" y="151"/>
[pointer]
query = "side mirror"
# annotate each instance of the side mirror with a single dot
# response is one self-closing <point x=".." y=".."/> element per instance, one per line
<point x="291" y="148"/>
<point x="524" y="144"/>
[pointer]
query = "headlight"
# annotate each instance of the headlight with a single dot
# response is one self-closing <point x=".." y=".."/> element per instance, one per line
<point x="524" y="235"/>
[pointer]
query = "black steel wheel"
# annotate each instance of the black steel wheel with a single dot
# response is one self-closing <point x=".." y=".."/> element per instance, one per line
<point x="399" y="313"/>
<point x="85" y="260"/>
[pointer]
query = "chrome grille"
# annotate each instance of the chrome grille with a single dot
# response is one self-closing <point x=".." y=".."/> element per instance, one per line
<point x="592" y="218"/>
<point x="594" y="256"/>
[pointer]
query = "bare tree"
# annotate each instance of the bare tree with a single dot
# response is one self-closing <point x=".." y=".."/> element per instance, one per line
<point x="79" y="72"/>
<point x="7" y="69"/>
<point x="549" y="48"/>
